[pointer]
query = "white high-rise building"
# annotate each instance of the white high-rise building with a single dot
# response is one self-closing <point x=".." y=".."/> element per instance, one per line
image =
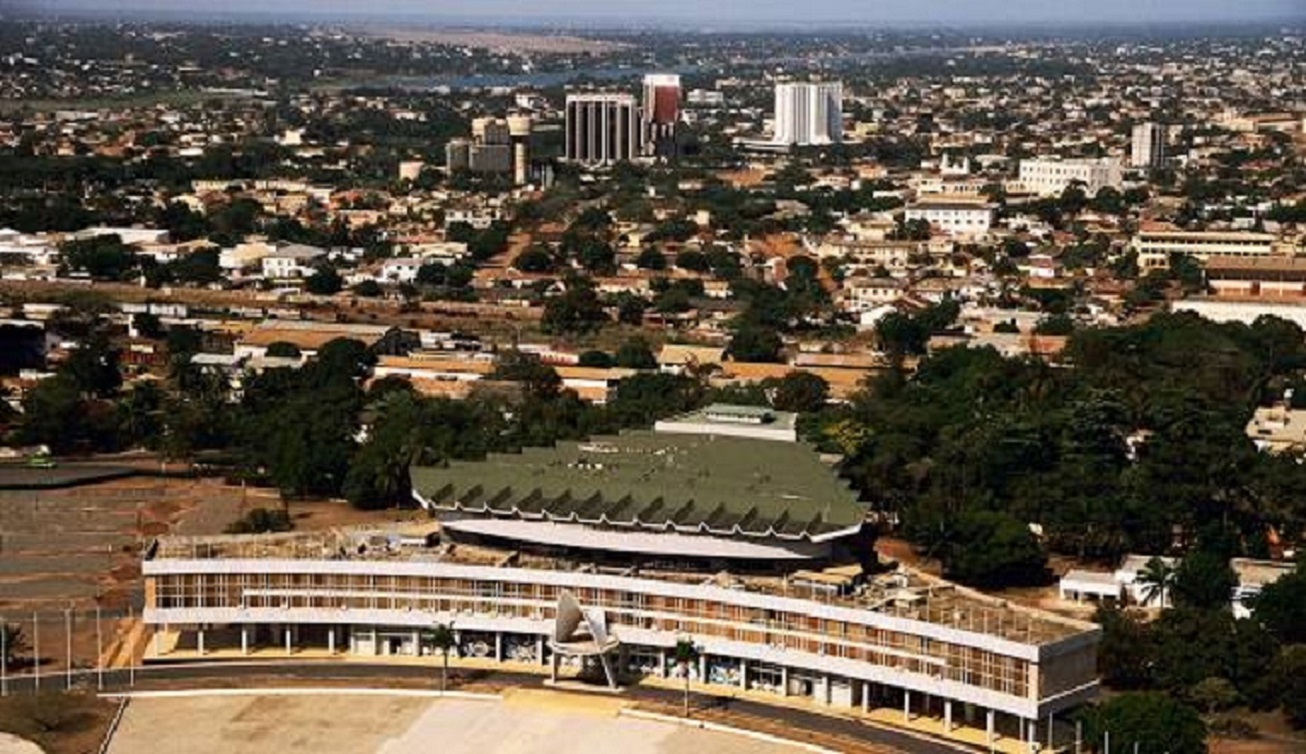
<point x="602" y="128"/>
<point x="1148" y="149"/>
<point x="809" y="114"/>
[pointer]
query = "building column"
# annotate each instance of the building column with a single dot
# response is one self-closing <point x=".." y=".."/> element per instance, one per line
<point x="988" y="727"/>
<point x="947" y="715"/>
<point x="417" y="644"/>
<point x="784" y="680"/>
<point x="553" y="668"/>
<point x="1033" y="732"/>
<point x="288" y="636"/>
<point x="498" y="646"/>
<point x="662" y="662"/>
<point x="827" y="696"/>
<point x="539" y="650"/>
<point x="906" y="705"/>
<point x="331" y="640"/>
<point x="244" y="640"/>
<point x="199" y="638"/>
<point x="702" y="668"/>
<point x="866" y="697"/>
<point x="743" y="674"/>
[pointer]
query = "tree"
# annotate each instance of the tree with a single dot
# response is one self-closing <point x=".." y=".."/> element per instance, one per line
<point x="577" y="310"/>
<point x="1290" y="673"/>
<point x="1151" y="721"/>
<point x="324" y="282"/>
<point x="534" y="259"/>
<point x="283" y="350"/>
<point x="693" y="261"/>
<point x="444" y="640"/>
<point x="755" y="343"/>
<point x="1204" y="581"/>
<point x="1281" y="608"/>
<point x="801" y="392"/>
<point x="1214" y="694"/>
<point x="686" y="654"/>
<point x="635" y="354"/>
<point x="994" y="550"/>
<point x="1157" y="579"/>
<point x="651" y="259"/>
<point x="368" y="289"/>
<point x="93" y="366"/>
<point x="595" y="360"/>
<point x="15" y="642"/>
<point x="1124" y="654"/>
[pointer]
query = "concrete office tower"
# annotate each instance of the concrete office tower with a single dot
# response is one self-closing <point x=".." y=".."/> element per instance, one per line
<point x="519" y="135"/>
<point x="602" y="128"/>
<point x="661" y="113"/>
<point x="809" y="114"/>
<point x="488" y="151"/>
<point x="1148" y="149"/>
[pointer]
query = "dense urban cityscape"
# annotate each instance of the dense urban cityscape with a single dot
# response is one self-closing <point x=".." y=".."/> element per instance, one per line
<point x="911" y="389"/>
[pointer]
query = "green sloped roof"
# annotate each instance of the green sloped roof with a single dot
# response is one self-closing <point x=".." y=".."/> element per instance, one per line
<point x="703" y="483"/>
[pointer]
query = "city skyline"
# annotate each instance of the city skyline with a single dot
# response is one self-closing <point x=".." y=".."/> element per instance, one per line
<point x="762" y="13"/>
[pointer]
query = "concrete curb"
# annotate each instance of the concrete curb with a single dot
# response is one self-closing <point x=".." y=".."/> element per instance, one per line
<point x="322" y="691"/>
<point x="719" y="728"/>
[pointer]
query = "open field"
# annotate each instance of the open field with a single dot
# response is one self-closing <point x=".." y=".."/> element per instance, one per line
<point x="556" y="44"/>
<point x="524" y="723"/>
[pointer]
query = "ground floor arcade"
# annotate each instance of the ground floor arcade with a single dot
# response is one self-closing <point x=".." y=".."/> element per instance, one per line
<point x="707" y="674"/>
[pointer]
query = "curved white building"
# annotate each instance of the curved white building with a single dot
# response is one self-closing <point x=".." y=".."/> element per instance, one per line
<point x="738" y="544"/>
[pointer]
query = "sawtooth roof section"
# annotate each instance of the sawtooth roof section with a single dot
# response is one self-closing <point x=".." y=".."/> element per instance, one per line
<point x="717" y="485"/>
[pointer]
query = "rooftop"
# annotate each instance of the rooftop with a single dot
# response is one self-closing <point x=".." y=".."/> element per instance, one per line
<point x="902" y="593"/>
<point x="698" y="484"/>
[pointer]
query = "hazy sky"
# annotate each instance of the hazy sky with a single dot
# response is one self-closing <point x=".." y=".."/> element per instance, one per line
<point x="861" y="12"/>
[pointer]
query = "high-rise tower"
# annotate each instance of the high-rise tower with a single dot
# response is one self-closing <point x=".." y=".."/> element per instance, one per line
<point x="602" y="128"/>
<point x="809" y="114"/>
<point x="661" y="113"/>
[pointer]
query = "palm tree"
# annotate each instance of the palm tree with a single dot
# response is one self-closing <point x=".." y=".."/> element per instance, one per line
<point x="444" y="640"/>
<point x="14" y="641"/>
<point x="1156" y="579"/>
<point x="686" y="654"/>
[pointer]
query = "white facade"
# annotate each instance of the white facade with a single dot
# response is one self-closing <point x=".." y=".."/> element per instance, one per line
<point x="291" y="262"/>
<point x="1147" y="149"/>
<point x="955" y="219"/>
<point x="808" y="114"/>
<point x="1051" y="176"/>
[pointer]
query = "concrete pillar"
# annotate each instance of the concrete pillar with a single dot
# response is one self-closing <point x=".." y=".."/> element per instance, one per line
<point x="331" y="640"/>
<point x="244" y="640"/>
<point x="947" y="715"/>
<point x="866" y="697"/>
<point x="743" y="674"/>
<point x="1031" y="733"/>
<point x="988" y="728"/>
<point x="417" y="644"/>
<point x="199" y="639"/>
<point x="784" y="681"/>
<point x="288" y="637"/>
<point x="662" y="662"/>
<point x="702" y="668"/>
<point x="539" y="650"/>
<point x="827" y="694"/>
<point x="498" y="646"/>
<point x="553" y="668"/>
<point x="906" y="706"/>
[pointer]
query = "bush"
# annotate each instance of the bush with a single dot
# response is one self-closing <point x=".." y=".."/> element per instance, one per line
<point x="262" y="521"/>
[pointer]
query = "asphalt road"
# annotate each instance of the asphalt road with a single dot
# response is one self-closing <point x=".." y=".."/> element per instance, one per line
<point x="377" y="675"/>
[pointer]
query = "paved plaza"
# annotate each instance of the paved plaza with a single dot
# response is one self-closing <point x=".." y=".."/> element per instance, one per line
<point x="525" y="722"/>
